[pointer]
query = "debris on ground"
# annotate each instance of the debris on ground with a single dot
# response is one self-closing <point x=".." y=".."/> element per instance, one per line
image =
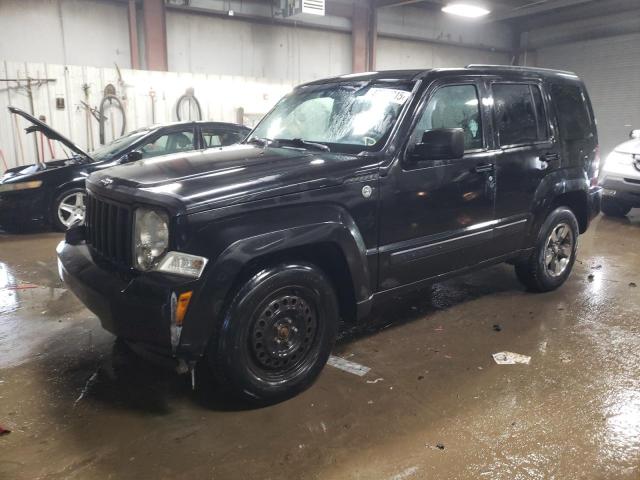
<point x="596" y="267"/>
<point x="348" y="366"/>
<point x="420" y="377"/>
<point x="591" y="277"/>
<point x="510" y="358"/>
<point x="632" y="284"/>
<point x="439" y="328"/>
<point x="440" y="446"/>
<point x="497" y="328"/>
<point x="4" y="431"/>
<point x="379" y="379"/>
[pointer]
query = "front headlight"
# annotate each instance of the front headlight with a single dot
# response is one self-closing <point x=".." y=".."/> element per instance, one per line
<point x="151" y="237"/>
<point x="12" y="187"/>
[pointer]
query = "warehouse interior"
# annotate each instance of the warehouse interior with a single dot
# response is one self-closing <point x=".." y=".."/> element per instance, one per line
<point x="416" y="390"/>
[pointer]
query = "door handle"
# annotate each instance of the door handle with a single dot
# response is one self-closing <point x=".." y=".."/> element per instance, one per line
<point x="549" y="157"/>
<point x="484" y="167"/>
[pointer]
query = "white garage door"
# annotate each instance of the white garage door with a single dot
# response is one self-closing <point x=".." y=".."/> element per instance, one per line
<point x="610" y="67"/>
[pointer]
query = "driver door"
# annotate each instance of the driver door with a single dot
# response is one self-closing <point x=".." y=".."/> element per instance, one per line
<point x="436" y="215"/>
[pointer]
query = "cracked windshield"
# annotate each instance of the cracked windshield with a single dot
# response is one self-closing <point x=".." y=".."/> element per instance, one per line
<point x="345" y="117"/>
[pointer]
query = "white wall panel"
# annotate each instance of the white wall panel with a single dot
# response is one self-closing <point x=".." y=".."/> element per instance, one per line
<point x="397" y="54"/>
<point x="207" y="44"/>
<point x="610" y="67"/>
<point x="219" y="96"/>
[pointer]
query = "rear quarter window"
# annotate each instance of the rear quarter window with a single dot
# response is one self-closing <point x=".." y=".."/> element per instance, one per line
<point x="570" y="103"/>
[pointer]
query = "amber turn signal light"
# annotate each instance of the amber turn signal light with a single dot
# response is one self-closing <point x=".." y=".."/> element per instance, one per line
<point x="181" y="309"/>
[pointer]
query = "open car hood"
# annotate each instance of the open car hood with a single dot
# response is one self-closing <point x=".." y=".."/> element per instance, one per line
<point x="39" y="126"/>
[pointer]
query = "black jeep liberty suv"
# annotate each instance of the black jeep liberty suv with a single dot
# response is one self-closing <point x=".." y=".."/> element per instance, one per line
<point x="352" y="189"/>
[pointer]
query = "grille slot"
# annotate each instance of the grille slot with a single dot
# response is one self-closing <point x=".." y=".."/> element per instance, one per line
<point x="109" y="228"/>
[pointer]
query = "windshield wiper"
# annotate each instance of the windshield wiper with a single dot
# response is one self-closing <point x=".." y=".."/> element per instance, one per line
<point x="300" y="143"/>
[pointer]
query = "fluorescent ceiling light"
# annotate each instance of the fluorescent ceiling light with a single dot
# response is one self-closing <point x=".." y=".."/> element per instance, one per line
<point x="465" y="10"/>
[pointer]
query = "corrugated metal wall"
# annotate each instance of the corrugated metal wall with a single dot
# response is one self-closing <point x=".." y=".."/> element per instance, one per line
<point x="610" y="67"/>
<point x="219" y="97"/>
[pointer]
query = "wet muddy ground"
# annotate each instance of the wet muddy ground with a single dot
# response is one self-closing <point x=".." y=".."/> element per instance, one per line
<point x="433" y="405"/>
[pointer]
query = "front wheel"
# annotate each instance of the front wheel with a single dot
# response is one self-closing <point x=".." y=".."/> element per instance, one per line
<point x="276" y="335"/>
<point x="69" y="207"/>
<point x="551" y="262"/>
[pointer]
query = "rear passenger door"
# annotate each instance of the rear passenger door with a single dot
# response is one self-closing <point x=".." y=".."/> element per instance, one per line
<point x="526" y="153"/>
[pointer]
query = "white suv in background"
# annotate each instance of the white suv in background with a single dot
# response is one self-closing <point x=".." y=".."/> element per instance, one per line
<point x="620" y="178"/>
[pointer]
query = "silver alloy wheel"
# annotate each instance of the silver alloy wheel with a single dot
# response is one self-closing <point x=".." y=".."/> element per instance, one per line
<point x="558" y="250"/>
<point x="71" y="208"/>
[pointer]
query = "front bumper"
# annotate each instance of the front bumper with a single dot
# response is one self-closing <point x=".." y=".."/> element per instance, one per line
<point x="23" y="208"/>
<point x="623" y="188"/>
<point x="135" y="307"/>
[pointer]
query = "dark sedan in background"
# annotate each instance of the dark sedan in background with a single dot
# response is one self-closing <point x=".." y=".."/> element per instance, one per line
<point x="53" y="193"/>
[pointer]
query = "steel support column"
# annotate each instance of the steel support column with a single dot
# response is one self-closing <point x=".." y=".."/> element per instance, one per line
<point x="155" y="34"/>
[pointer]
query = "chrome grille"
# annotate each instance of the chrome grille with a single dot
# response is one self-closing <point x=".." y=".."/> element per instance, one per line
<point x="109" y="227"/>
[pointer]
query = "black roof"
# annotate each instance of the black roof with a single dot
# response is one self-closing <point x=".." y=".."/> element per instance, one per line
<point x="391" y="75"/>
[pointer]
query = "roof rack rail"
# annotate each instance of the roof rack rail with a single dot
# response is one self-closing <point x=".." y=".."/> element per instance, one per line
<point x="518" y="67"/>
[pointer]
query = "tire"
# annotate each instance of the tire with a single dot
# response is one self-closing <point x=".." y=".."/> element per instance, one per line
<point x="276" y="335"/>
<point x="550" y="264"/>
<point x="64" y="208"/>
<point x="613" y="208"/>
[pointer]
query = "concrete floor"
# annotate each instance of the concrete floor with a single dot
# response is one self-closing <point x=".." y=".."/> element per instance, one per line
<point x="573" y="412"/>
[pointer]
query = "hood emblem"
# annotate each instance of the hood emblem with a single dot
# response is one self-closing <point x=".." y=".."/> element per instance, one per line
<point x="106" y="181"/>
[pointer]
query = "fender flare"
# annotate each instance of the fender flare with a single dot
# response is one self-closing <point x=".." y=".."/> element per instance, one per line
<point x="552" y="186"/>
<point x="222" y="274"/>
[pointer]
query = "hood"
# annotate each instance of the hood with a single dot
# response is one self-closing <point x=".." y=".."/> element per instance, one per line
<point x="22" y="172"/>
<point x="39" y="126"/>
<point x="630" y="146"/>
<point x="204" y="179"/>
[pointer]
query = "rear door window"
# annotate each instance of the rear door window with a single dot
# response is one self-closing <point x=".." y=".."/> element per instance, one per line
<point x="220" y="137"/>
<point x="516" y="114"/>
<point x="571" y="108"/>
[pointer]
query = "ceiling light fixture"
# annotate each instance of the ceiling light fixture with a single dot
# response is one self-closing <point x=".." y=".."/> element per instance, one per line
<point x="465" y="10"/>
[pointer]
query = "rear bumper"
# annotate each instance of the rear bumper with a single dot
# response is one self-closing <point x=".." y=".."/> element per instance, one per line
<point x="624" y="191"/>
<point x="135" y="307"/>
<point x="595" y="202"/>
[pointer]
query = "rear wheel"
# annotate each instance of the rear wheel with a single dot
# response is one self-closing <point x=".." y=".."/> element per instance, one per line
<point x="613" y="208"/>
<point x="554" y="255"/>
<point x="68" y="208"/>
<point x="276" y="335"/>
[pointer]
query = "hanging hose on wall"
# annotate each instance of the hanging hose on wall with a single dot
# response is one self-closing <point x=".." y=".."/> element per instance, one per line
<point x="189" y="104"/>
<point x="111" y="101"/>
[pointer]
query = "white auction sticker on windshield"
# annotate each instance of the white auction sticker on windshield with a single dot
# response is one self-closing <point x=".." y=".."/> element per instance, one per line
<point x="391" y="95"/>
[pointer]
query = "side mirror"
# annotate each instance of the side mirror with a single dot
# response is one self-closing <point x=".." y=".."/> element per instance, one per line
<point x="439" y="144"/>
<point x="133" y="156"/>
<point x="635" y="134"/>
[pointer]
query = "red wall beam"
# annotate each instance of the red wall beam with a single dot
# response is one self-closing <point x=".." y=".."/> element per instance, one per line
<point x="155" y="34"/>
<point x="133" y="35"/>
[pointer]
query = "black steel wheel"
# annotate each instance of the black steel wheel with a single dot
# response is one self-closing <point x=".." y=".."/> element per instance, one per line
<point x="277" y="333"/>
